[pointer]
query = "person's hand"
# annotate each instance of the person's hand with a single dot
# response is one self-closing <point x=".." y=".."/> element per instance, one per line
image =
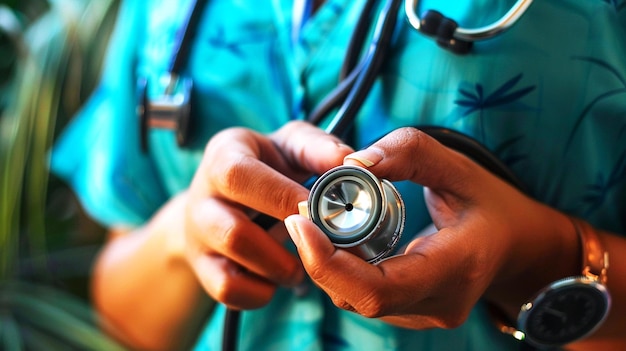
<point x="491" y="239"/>
<point x="241" y="175"/>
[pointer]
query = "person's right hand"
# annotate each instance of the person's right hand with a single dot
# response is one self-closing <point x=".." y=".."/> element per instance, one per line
<point x="242" y="174"/>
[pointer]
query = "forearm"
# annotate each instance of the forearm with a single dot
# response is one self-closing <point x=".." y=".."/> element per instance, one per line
<point x="548" y="251"/>
<point x="144" y="287"/>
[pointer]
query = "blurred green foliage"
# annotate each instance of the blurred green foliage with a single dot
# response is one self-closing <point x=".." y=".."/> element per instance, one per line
<point x="51" y="53"/>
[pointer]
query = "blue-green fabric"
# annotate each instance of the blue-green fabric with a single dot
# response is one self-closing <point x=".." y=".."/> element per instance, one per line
<point x="548" y="97"/>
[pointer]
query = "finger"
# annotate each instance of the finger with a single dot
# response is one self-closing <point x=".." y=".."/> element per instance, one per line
<point x="227" y="283"/>
<point x="248" y="168"/>
<point x="402" y="284"/>
<point x="410" y="154"/>
<point x="229" y="232"/>
<point x="309" y="147"/>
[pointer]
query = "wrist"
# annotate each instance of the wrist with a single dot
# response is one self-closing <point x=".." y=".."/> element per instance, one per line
<point x="570" y="308"/>
<point x="168" y="224"/>
<point x="545" y="248"/>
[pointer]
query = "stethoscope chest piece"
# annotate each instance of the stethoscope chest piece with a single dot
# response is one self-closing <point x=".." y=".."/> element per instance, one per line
<point x="357" y="211"/>
<point x="170" y="109"/>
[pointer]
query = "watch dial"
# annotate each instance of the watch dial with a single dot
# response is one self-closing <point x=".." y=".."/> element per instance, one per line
<point x="566" y="313"/>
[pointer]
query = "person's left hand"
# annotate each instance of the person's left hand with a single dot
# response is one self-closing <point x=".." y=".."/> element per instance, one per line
<point x="487" y="241"/>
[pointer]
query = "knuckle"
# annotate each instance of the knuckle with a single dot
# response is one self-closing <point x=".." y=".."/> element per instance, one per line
<point x="229" y="174"/>
<point x="286" y="131"/>
<point x="228" y="291"/>
<point x="318" y="272"/>
<point x="293" y="126"/>
<point x="285" y="200"/>
<point x="343" y="304"/>
<point x="404" y="144"/>
<point x="228" y="134"/>
<point x="411" y="133"/>
<point x="222" y="139"/>
<point x="232" y="240"/>
<point x="412" y="139"/>
<point x="372" y="306"/>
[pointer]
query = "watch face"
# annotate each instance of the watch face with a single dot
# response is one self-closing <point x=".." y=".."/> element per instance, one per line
<point x="564" y="312"/>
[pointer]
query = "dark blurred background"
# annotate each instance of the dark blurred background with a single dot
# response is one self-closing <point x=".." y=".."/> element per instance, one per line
<point x="51" y="53"/>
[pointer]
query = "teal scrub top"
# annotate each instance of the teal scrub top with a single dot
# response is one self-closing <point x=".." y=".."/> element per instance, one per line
<point x="548" y="97"/>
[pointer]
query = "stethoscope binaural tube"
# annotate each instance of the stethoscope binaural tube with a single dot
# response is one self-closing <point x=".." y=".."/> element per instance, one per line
<point x="352" y="91"/>
<point x="449" y="35"/>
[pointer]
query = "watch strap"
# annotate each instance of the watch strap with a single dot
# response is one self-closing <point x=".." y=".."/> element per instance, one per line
<point x="594" y="257"/>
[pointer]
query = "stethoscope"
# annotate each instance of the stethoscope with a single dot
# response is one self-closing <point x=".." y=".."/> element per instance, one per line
<point x="375" y="232"/>
<point x="170" y="107"/>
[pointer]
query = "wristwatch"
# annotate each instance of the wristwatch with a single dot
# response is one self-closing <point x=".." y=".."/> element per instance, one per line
<point x="571" y="308"/>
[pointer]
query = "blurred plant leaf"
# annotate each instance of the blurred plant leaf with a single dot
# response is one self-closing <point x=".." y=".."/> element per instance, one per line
<point x="9" y="333"/>
<point x="54" y="78"/>
<point x="11" y="30"/>
<point x="44" y="313"/>
<point x="57" y="60"/>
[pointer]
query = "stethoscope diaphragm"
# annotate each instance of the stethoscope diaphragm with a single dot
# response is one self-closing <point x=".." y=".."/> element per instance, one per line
<point x="357" y="211"/>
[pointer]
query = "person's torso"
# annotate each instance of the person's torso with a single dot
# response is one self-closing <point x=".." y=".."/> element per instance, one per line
<point x="547" y="97"/>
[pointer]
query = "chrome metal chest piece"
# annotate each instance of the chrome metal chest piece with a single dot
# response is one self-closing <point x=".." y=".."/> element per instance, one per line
<point x="357" y="211"/>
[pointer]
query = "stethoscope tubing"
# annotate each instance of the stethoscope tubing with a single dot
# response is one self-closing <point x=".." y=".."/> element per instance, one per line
<point x="185" y="36"/>
<point x="372" y="63"/>
<point x="351" y="93"/>
<point x="350" y="69"/>
<point x="357" y="76"/>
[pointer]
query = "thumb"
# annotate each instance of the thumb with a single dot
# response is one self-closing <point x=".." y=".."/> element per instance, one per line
<point x="339" y="273"/>
<point x="313" y="246"/>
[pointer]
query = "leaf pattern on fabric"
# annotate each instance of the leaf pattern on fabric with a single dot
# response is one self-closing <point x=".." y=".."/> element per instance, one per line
<point x="598" y="192"/>
<point x="617" y="4"/>
<point x="506" y="152"/>
<point x="220" y="39"/>
<point x="607" y="94"/>
<point x="477" y="101"/>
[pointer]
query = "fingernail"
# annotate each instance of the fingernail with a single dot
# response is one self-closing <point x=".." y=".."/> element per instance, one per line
<point x="292" y="229"/>
<point x="366" y="158"/>
<point x="303" y="209"/>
